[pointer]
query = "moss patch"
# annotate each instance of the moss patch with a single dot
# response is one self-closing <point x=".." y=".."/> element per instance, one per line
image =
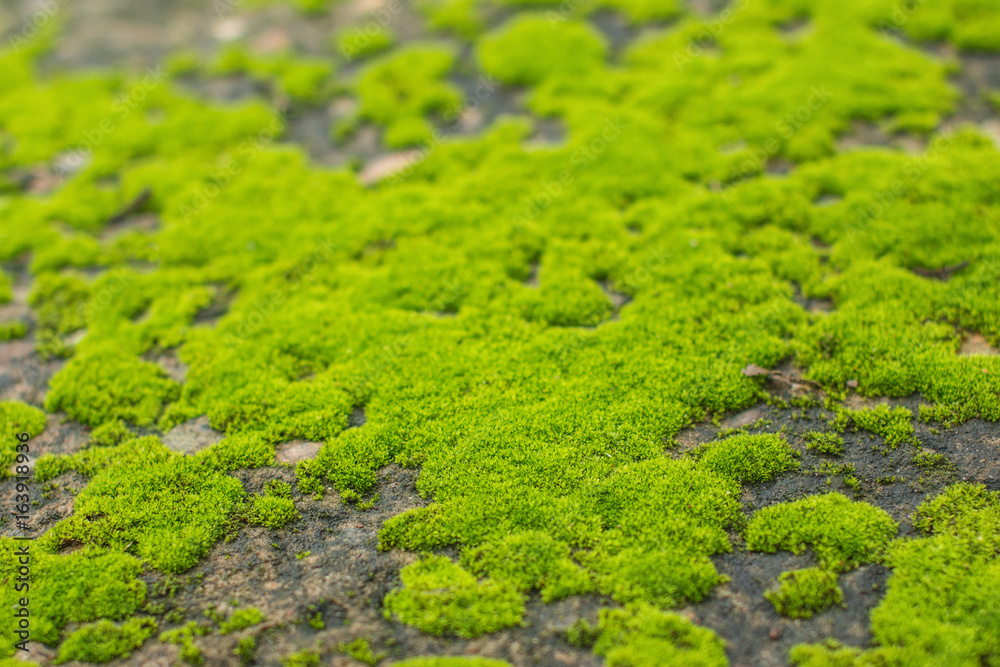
<point x="841" y="533"/>
<point x="442" y="598"/>
<point x="804" y="593"/>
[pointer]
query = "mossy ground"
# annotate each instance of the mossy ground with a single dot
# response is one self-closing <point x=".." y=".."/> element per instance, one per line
<point x="543" y="330"/>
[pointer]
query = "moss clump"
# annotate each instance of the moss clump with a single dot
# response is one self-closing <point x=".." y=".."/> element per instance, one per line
<point x="824" y="442"/>
<point x="274" y="508"/>
<point x="110" y="434"/>
<point x="305" y="658"/>
<point x="184" y="637"/>
<point x="99" y="387"/>
<point x="240" y="620"/>
<point x="748" y="459"/>
<point x="893" y="424"/>
<point x="939" y="607"/>
<point x="399" y="90"/>
<point x="104" y="641"/>
<point x="245" y="649"/>
<point x="80" y="587"/>
<point x="142" y="498"/>
<point x="530" y="48"/>
<point x="363" y="41"/>
<point x="531" y="560"/>
<point x="361" y="651"/>
<point x="460" y="17"/>
<point x="440" y="597"/>
<point x="804" y="593"/>
<point x="16" y="418"/>
<point x="12" y="330"/>
<point x="239" y="451"/>
<point x="303" y="80"/>
<point x="452" y="661"/>
<point x="635" y="634"/>
<point x="842" y="534"/>
<point x="6" y="289"/>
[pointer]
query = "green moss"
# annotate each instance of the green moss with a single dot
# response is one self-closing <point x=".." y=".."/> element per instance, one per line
<point x="305" y="658"/>
<point x="531" y="560"/>
<point x="300" y="79"/>
<point x="274" y="508"/>
<point x="167" y="508"/>
<point x="361" y="651"/>
<point x="823" y="442"/>
<point x="237" y="451"/>
<point x="363" y="41"/>
<point x="245" y="649"/>
<point x="12" y="330"/>
<point x="6" y="288"/>
<point x="461" y="17"/>
<point x="894" y="424"/>
<point x="531" y="48"/>
<point x="842" y="534"/>
<point x="110" y="434"/>
<point x="184" y="637"/>
<point x="440" y="597"/>
<point x="939" y="607"/>
<point x="79" y="587"/>
<point x="240" y="620"/>
<point x="104" y="641"/>
<point x="98" y="387"/>
<point x="452" y="661"/>
<point x="476" y="304"/>
<point x="748" y="459"/>
<point x="642" y="635"/>
<point x="399" y="91"/>
<point x="804" y="593"/>
<point x="15" y="419"/>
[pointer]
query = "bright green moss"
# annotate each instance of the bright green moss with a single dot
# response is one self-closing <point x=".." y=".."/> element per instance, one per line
<point x="184" y="637"/>
<point x="531" y="48"/>
<point x="240" y="450"/>
<point x="842" y="534"/>
<point x="939" y="607"/>
<point x="452" y="661"/>
<point x="16" y="418"/>
<point x="360" y="650"/>
<point x="440" y="597"/>
<point x="804" y="593"/>
<point x="245" y="649"/>
<point x="75" y="588"/>
<point x="12" y="330"/>
<point x="274" y="508"/>
<point x="363" y="41"/>
<point x="6" y="288"/>
<point x="970" y="24"/>
<point x="399" y="91"/>
<point x="825" y="442"/>
<point x="461" y="17"/>
<point x="302" y="80"/>
<point x="531" y="560"/>
<point x="641" y="635"/>
<point x="240" y="620"/>
<point x="305" y="658"/>
<point x="832" y="653"/>
<point x="167" y="508"/>
<point x="104" y="641"/>
<point x="954" y="507"/>
<point x="110" y="434"/>
<point x="894" y="424"/>
<point x="748" y="459"/>
<point x="531" y="410"/>
<point x="98" y="387"/>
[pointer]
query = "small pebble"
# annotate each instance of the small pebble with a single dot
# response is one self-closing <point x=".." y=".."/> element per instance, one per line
<point x="774" y="635"/>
